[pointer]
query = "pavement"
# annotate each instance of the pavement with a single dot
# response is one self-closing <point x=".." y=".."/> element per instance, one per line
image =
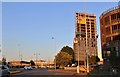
<point x="67" y="72"/>
<point x="14" y="72"/>
<point x="54" y="73"/>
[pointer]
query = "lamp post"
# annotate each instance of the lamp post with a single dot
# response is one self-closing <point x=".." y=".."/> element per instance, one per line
<point x="55" y="50"/>
<point x="78" y="67"/>
<point x="86" y="59"/>
<point x="87" y="51"/>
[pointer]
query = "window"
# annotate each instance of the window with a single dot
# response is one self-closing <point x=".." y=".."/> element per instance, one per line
<point x="108" y="39"/>
<point x="92" y="28"/>
<point x="107" y="20"/>
<point x="114" y="27"/>
<point x="116" y="37"/>
<point x="118" y="15"/>
<point x="93" y="36"/>
<point x="113" y="16"/>
<point x="92" y="16"/>
<point x="118" y="26"/>
<point x="92" y="20"/>
<point x="87" y="19"/>
<point x="92" y="25"/>
<point x="108" y="30"/>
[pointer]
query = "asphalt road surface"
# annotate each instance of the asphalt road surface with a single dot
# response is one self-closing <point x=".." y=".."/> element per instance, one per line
<point x="41" y="73"/>
<point x="46" y="73"/>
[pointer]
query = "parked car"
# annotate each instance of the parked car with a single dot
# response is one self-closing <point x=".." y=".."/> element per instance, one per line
<point x="73" y="65"/>
<point x="28" y="68"/>
<point x="4" y="71"/>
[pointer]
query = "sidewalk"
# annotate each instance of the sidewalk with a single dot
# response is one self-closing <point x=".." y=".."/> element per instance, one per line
<point x="67" y="71"/>
<point x="14" y="72"/>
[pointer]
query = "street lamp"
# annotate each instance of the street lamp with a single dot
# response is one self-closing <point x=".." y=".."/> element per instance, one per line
<point x="78" y="67"/>
<point x="87" y="67"/>
<point x="87" y="51"/>
<point x="55" y="50"/>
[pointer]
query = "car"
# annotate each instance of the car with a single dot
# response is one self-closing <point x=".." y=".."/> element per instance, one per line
<point x="4" y="71"/>
<point x="73" y="65"/>
<point x="28" y="68"/>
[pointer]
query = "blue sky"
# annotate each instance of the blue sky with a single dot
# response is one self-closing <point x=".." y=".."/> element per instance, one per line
<point x="59" y="0"/>
<point x="32" y="26"/>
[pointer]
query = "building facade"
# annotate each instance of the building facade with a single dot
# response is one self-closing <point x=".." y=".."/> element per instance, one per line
<point x="85" y="34"/>
<point x="110" y="31"/>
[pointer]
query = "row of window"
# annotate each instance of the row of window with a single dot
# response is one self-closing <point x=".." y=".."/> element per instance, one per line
<point x="92" y="23"/>
<point x="113" y="17"/>
<point x="92" y="45"/>
<point x="117" y="37"/>
<point x="114" y="28"/>
<point x="79" y="14"/>
<point x="90" y="20"/>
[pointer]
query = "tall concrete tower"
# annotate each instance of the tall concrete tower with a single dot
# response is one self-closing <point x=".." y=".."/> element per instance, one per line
<point x="85" y="23"/>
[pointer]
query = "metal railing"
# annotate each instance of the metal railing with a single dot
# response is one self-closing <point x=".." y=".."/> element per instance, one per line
<point x="109" y="10"/>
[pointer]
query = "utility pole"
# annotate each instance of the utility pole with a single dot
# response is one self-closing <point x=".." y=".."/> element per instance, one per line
<point x="55" y="51"/>
<point x="36" y="57"/>
<point x="20" y="55"/>
<point x="78" y="38"/>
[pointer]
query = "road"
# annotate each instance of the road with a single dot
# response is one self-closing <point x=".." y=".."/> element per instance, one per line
<point x="41" y="73"/>
<point x="46" y="73"/>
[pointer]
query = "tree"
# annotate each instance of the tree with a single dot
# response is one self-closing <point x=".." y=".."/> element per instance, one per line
<point x="63" y="59"/>
<point x="68" y="50"/>
<point x="4" y="61"/>
<point x="97" y="59"/>
<point x="94" y="59"/>
<point x="32" y="63"/>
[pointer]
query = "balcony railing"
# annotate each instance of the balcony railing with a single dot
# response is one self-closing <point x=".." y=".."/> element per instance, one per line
<point x="109" y="10"/>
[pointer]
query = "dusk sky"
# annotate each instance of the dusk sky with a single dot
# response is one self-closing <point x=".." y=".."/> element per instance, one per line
<point x="29" y="27"/>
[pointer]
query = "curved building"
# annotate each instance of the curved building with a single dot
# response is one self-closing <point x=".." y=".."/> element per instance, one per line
<point x="110" y="31"/>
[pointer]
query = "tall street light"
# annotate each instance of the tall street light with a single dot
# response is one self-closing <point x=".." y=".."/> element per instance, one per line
<point x="86" y="59"/>
<point x="55" y="51"/>
<point x="78" y="67"/>
<point x="87" y="67"/>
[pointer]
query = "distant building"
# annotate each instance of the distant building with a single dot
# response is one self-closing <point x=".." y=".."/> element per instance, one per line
<point x="40" y="63"/>
<point x="43" y="63"/>
<point x="110" y="31"/>
<point x="85" y="23"/>
<point x="18" y="63"/>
